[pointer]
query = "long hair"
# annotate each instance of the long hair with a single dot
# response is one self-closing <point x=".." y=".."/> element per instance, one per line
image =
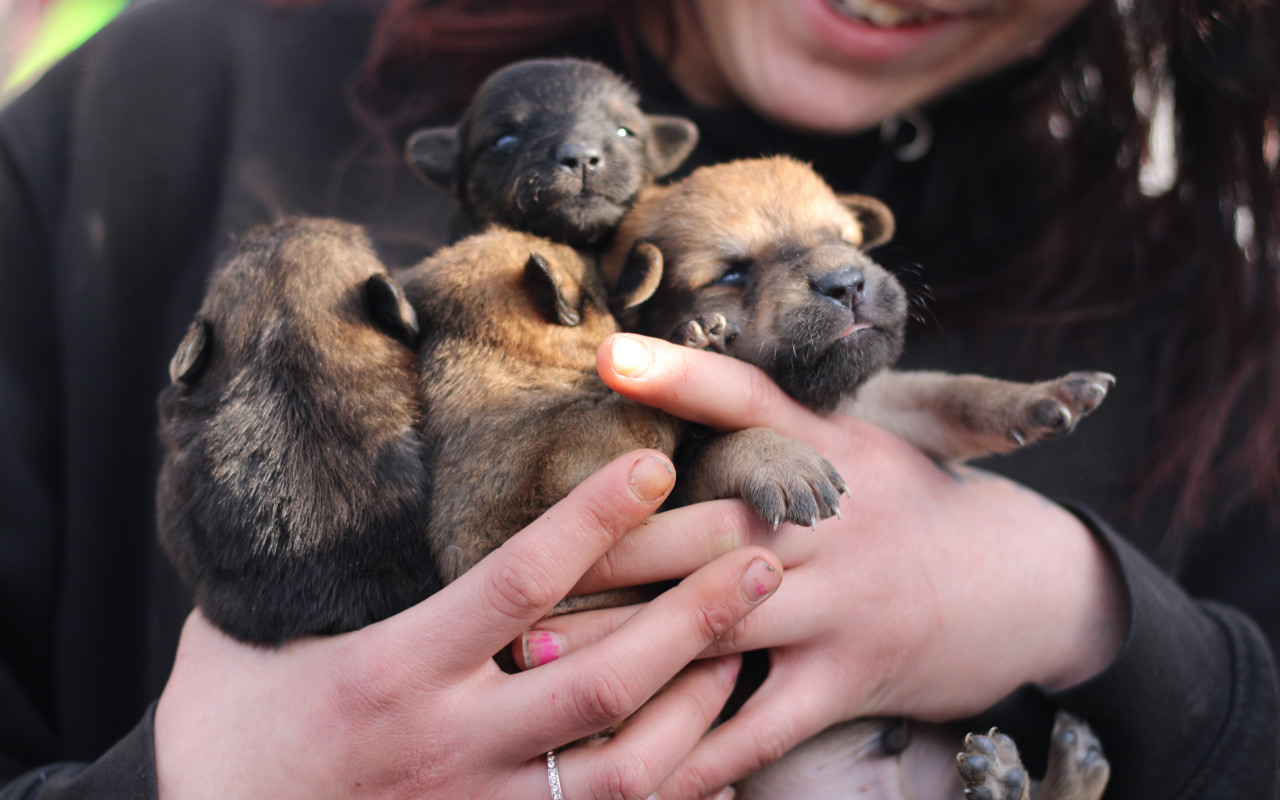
<point x="1060" y="204"/>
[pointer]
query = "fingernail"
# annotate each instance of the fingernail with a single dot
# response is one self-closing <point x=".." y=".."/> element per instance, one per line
<point x="630" y="357"/>
<point x="726" y="793"/>
<point x="759" y="581"/>
<point x="727" y="670"/>
<point x="541" y="647"/>
<point x="651" y="478"/>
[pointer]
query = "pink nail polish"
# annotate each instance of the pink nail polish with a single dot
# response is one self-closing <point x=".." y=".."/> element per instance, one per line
<point x="541" y="647"/>
<point x="759" y="581"/>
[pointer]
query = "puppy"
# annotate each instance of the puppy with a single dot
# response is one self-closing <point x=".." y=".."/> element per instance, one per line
<point x="555" y="147"/>
<point x="761" y="260"/>
<point x="764" y="262"/>
<point x="292" y="493"/>
<point x="515" y="414"/>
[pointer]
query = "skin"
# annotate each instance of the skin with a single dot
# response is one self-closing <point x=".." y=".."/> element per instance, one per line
<point x="844" y="644"/>
<point x="802" y="64"/>
<point x="407" y="707"/>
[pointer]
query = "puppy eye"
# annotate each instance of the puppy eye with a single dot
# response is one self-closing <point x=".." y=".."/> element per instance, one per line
<point x="625" y="132"/>
<point x="504" y="142"/>
<point x="735" y="273"/>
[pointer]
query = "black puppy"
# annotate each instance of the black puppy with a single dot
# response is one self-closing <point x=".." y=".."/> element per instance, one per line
<point x="292" y="494"/>
<point x="554" y="147"/>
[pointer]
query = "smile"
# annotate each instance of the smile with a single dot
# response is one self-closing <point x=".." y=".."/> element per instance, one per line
<point x="885" y="15"/>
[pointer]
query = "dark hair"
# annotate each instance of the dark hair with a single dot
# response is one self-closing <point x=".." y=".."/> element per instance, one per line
<point x="1062" y="207"/>
<point x="1059" y="204"/>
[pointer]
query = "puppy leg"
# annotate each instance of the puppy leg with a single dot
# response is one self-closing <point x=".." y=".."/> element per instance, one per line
<point x="1077" y="768"/>
<point x="782" y="479"/>
<point x="953" y="418"/>
<point x="991" y="768"/>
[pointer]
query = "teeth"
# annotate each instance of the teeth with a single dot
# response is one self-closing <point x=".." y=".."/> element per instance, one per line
<point x="882" y="15"/>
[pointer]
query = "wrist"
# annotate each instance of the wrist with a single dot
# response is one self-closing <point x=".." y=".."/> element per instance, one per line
<point x="1094" y="610"/>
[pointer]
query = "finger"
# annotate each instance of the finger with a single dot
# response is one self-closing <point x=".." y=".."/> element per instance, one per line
<point x="779" y="716"/>
<point x="651" y="744"/>
<point x="779" y="623"/>
<point x="656" y="740"/>
<point x="603" y="683"/>
<point x="691" y="384"/>
<point x="673" y="544"/>
<point x="517" y="584"/>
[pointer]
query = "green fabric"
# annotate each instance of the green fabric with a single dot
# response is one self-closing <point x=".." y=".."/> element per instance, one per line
<point x="66" y="25"/>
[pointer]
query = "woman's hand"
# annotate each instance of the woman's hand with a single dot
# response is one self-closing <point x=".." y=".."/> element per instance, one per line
<point x="935" y="596"/>
<point x="414" y="706"/>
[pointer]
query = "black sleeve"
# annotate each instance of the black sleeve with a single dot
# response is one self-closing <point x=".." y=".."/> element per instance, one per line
<point x="30" y="441"/>
<point x="1190" y="708"/>
<point x="126" y="771"/>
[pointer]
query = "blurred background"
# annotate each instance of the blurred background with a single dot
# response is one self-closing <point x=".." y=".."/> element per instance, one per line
<point x="36" y="33"/>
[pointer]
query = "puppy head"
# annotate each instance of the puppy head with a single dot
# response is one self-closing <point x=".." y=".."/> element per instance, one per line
<point x="289" y="429"/>
<point x="556" y="147"/>
<point x="768" y="245"/>
<point x="515" y="293"/>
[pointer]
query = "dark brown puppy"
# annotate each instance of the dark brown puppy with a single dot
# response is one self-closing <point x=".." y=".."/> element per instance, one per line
<point x="764" y="262"/>
<point x="292" y="494"/>
<point x="556" y="147"/>
<point x="515" y="414"/>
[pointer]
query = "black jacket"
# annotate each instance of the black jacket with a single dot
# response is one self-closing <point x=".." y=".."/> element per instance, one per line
<point x="186" y="122"/>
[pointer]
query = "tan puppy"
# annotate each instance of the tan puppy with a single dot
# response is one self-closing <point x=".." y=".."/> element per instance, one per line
<point x="515" y="414"/>
<point x="763" y="261"/>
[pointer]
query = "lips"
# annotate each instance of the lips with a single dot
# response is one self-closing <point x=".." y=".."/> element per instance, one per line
<point x="885" y="15"/>
<point x="853" y="328"/>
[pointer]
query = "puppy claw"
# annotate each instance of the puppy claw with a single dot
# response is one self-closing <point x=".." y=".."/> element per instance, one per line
<point x="990" y="768"/>
<point x="711" y="332"/>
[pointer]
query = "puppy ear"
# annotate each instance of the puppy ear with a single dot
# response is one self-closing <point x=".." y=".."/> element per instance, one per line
<point x="549" y="292"/>
<point x="193" y="353"/>
<point x="640" y="277"/>
<point x="390" y="310"/>
<point x="874" y="217"/>
<point x="433" y="153"/>
<point x="671" y="140"/>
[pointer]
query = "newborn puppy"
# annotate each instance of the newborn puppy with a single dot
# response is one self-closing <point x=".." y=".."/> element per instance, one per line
<point x="515" y="414"/>
<point x="292" y="493"/>
<point x="555" y="147"/>
<point x="764" y="262"/>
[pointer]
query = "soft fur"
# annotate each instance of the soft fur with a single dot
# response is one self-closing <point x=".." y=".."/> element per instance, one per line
<point x="292" y="492"/>
<point x="555" y="147"/>
<point x="763" y="261"/>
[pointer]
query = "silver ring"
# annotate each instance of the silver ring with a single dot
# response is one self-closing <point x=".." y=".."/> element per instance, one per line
<point x="553" y="776"/>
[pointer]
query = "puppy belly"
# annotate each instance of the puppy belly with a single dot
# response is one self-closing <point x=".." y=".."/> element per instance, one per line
<point x="848" y="761"/>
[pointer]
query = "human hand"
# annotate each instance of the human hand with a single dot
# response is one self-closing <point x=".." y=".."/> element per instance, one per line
<point x="937" y="595"/>
<point x="414" y="706"/>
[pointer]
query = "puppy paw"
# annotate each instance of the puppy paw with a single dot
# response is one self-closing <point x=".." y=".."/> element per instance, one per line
<point x="991" y="768"/>
<point x="711" y="332"/>
<point x="1077" y="767"/>
<point x="802" y="488"/>
<point x="1052" y="408"/>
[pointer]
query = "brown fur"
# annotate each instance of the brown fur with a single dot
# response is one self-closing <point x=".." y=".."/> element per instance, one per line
<point x="515" y="414"/>
<point x="291" y="496"/>
<point x="763" y="261"/>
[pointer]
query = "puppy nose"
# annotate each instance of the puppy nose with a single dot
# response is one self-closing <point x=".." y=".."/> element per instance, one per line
<point x="579" y="155"/>
<point x="845" y="286"/>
